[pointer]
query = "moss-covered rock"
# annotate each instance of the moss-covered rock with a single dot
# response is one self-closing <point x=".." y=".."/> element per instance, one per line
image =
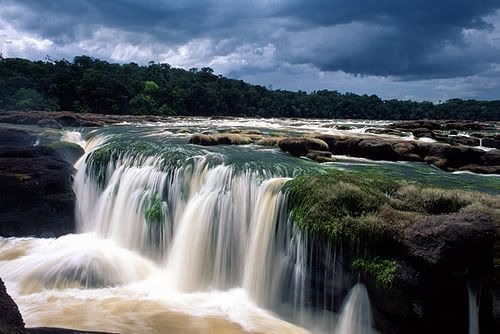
<point x="368" y="205"/>
<point x="69" y="151"/>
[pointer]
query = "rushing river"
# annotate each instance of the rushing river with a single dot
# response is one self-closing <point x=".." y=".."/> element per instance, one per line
<point x="177" y="238"/>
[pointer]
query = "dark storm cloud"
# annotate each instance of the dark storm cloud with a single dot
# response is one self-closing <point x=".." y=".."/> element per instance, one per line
<point x="410" y="40"/>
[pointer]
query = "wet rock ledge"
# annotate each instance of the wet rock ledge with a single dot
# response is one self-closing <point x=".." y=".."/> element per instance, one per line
<point x="36" y="194"/>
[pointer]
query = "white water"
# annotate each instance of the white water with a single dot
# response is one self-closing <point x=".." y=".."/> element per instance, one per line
<point x="473" y="310"/>
<point x="356" y="316"/>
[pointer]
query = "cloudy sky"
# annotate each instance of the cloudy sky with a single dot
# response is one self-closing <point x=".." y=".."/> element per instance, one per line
<point x="410" y="49"/>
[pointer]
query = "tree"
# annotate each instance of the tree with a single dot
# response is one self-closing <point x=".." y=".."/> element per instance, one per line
<point x="30" y="99"/>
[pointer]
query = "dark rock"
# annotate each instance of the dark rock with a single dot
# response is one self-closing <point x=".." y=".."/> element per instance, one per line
<point x="423" y="132"/>
<point x="458" y="140"/>
<point x="36" y="195"/>
<point x="491" y="158"/>
<point x="49" y="123"/>
<point x="320" y="156"/>
<point x="490" y="142"/>
<point x="300" y="146"/>
<point x="376" y="149"/>
<point x="386" y="131"/>
<point x="71" y="152"/>
<point x="453" y="132"/>
<point x="11" y="321"/>
<point x="16" y="137"/>
<point x="439" y="255"/>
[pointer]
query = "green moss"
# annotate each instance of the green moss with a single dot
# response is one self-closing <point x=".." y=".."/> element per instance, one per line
<point x="64" y="145"/>
<point x="335" y="203"/>
<point x="383" y="271"/>
<point x="360" y="205"/>
<point x="154" y="213"/>
<point x="134" y="153"/>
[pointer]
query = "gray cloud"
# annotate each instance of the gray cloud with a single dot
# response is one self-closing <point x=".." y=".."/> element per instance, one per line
<point x="418" y="42"/>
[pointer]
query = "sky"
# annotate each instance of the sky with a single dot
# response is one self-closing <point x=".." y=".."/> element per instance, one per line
<point x="407" y="49"/>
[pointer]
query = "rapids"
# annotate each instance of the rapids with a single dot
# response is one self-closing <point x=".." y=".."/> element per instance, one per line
<point x="174" y="238"/>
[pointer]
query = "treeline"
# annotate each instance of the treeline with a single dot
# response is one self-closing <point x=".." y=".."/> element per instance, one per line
<point x="91" y="85"/>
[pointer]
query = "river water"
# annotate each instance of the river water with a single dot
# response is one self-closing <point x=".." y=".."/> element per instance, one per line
<point x="177" y="238"/>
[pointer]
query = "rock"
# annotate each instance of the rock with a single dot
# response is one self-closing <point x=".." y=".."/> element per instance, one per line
<point x="409" y="125"/>
<point x="220" y="139"/>
<point x="491" y="158"/>
<point x="490" y="142"/>
<point x="438" y="256"/>
<point x="71" y="152"/>
<point x="453" y="132"/>
<point x="232" y="139"/>
<point x="16" y="137"/>
<point x="376" y="149"/>
<point x="202" y="139"/>
<point x="49" y="123"/>
<point x="458" y="140"/>
<point x="269" y="141"/>
<point x="300" y="146"/>
<point x="423" y="132"/>
<point x="407" y="151"/>
<point x="36" y="195"/>
<point x="341" y="145"/>
<point x="320" y="156"/>
<point x="386" y="131"/>
<point x="11" y="321"/>
<point x="344" y="127"/>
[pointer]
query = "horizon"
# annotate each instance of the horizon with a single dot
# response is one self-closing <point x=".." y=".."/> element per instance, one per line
<point x="394" y="50"/>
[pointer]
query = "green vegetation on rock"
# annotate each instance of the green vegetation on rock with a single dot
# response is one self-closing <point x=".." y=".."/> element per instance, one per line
<point x="366" y="205"/>
<point x="154" y="212"/>
<point x="383" y="271"/>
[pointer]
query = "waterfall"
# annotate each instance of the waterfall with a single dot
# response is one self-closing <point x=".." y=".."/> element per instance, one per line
<point x="212" y="226"/>
<point x="356" y="317"/>
<point x="258" y="275"/>
<point x="473" y="297"/>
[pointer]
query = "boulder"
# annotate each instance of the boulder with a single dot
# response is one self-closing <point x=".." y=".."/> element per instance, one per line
<point x="203" y="139"/>
<point x="423" y="132"/>
<point x="232" y="139"/>
<point x="300" y="146"/>
<point x="36" y="194"/>
<point x="320" y="156"/>
<point x="377" y="150"/>
<point x="491" y="142"/>
<point x="71" y="152"/>
<point x="438" y="256"/>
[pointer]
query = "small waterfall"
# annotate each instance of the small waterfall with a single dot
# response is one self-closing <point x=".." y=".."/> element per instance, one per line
<point x="356" y="316"/>
<point x="473" y="296"/>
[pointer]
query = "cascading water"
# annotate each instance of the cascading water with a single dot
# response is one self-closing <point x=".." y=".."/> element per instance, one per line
<point x="211" y="229"/>
<point x="356" y="316"/>
<point x="473" y="297"/>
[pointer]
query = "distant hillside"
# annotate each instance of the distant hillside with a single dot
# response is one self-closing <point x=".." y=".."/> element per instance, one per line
<point x="91" y="85"/>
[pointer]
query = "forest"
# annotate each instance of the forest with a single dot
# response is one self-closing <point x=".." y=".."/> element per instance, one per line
<point x="88" y="84"/>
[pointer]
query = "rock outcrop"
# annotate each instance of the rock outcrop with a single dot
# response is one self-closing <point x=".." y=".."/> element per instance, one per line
<point x="36" y="195"/>
<point x="438" y="257"/>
